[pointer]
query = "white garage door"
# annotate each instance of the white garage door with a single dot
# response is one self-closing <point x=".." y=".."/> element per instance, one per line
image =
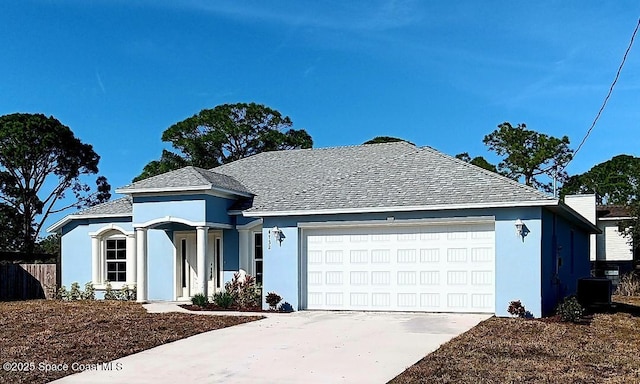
<point x="443" y="268"/>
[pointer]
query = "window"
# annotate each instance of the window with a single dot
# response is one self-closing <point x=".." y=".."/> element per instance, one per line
<point x="218" y="261"/>
<point x="183" y="258"/>
<point x="116" y="259"/>
<point x="257" y="255"/>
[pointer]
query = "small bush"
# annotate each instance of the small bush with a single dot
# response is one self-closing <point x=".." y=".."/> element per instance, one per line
<point x="200" y="300"/>
<point x="517" y="309"/>
<point x="286" y="307"/>
<point x="245" y="293"/>
<point x="629" y="285"/>
<point x="109" y="293"/>
<point x="62" y="293"/>
<point x="273" y="299"/>
<point x="570" y="310"/>
<point x="89" y="292"/>
<point x="223" y="299"/>
<point x="75" y="293"/>
<point x="128" y="293"/>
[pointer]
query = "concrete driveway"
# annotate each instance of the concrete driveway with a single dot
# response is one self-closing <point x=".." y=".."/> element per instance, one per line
<point x="303" y="347"/>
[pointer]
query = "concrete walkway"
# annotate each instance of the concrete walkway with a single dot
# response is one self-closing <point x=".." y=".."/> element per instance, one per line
<point x="303" y="347"/>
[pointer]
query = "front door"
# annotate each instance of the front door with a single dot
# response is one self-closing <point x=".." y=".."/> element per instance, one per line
<point x="186" y="264"/>
<point x="186" y="267"/>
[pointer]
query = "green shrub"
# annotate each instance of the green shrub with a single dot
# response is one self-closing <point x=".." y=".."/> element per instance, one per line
<point x="75" y="293"/>
<point x="109" y="293"/>
<point x="62" y="293"/>
<point x="273" y="299"/>
<point x="570" y="310"/>
<point x="200" y="300"/>
<point x="285" y="307"/>
<point x="89" y="292"/>
<point x="517" y="309"/>
<point x="629" y="285"/>
<point x="127" y="293"/>
<point x="223" y="299"/>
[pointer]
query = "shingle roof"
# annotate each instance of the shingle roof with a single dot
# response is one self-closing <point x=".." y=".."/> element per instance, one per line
<point x="185" y="178"/>
<point x="612" y="211"/>
<point x="114" y="207"/>
<point x="370" y="176"/>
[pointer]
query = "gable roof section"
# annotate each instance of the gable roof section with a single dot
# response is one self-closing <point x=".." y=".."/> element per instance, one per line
<point x="369" y="178"/>
<point x="187" y="179"/>
<point x="122" y="207"/>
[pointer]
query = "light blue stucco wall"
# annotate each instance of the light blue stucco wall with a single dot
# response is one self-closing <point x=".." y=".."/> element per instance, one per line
<point x="518" y="269"/>
<point x="150" y="208"/>
<point x="518" y="265"/>
<point x="196" y="208"/>
<point x="76" y="248"/>
<point x="281" y="262"/>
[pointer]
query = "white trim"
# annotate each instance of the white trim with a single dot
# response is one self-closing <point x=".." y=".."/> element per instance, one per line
<point x="250" y="225"/>
<point x="440" y="207"/>
<point x="55" y="227"/>
<point x="172" y="219"/>
<point x="398" y="223"/>
<point x="181" y="190"/>
<point x="110" y="227"/>
<point x="614" y="218"/>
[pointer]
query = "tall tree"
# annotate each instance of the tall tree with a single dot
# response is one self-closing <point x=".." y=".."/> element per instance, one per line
<point x="40" y="162"/>
<point x="478" y="161"/>
<point x="224" y="134"/>
<point x="615" y="181"/>
<point x="385" y="139"/>
<point x="529" y="154"/>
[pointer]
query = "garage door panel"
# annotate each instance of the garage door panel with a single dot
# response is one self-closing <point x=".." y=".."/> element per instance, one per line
<point x="443" y="268"/>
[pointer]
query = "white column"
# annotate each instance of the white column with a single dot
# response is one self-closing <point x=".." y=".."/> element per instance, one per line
<point x="201" y="256"/>
<point x="95" y="260"/>
<point x="131" y="259"/>
<point x="141" y="267"/>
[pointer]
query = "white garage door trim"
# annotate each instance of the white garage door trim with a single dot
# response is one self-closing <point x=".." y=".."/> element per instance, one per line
<point x="441" y="267"/>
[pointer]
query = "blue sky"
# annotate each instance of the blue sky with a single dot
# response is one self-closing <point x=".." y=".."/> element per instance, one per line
<point x="436" y="73"/>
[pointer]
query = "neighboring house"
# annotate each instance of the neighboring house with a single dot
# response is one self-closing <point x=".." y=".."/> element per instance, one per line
<point x="611" y="253"/>
<point x="390" y="227"/>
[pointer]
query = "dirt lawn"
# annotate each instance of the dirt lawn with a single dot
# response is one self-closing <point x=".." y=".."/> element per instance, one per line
<point x="504" y="350"/>
<point x="41" y="335"/>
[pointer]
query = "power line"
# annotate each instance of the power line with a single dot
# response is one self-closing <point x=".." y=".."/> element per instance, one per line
<point x="606" y="99"/>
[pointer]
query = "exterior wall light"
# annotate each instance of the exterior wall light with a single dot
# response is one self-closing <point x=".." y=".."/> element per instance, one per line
<point x="278" y="235"/>
<point x="521" y="229"/>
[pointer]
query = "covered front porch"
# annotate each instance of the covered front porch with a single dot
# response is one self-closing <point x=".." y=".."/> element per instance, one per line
<point x="195" y="265"/>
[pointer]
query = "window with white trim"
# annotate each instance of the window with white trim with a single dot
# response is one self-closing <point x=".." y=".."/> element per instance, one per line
<point x="115" y="259"/>
<point x="257" y="256"/>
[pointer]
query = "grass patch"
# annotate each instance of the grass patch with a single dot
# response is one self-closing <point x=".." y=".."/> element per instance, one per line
<point x="508" y="350"/>
<point x="89" y="332"/>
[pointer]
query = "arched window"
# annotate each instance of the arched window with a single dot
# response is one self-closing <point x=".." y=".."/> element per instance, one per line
<point x="112" y="255"/>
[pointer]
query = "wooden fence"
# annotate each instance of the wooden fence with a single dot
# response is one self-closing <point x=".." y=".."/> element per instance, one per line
<point x="28" y="281"/>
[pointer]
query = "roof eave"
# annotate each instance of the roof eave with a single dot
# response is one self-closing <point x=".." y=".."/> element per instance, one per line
<point x="533" y="203"/>
<point x="200" y="188"/>
<point x="566" y="210"/>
